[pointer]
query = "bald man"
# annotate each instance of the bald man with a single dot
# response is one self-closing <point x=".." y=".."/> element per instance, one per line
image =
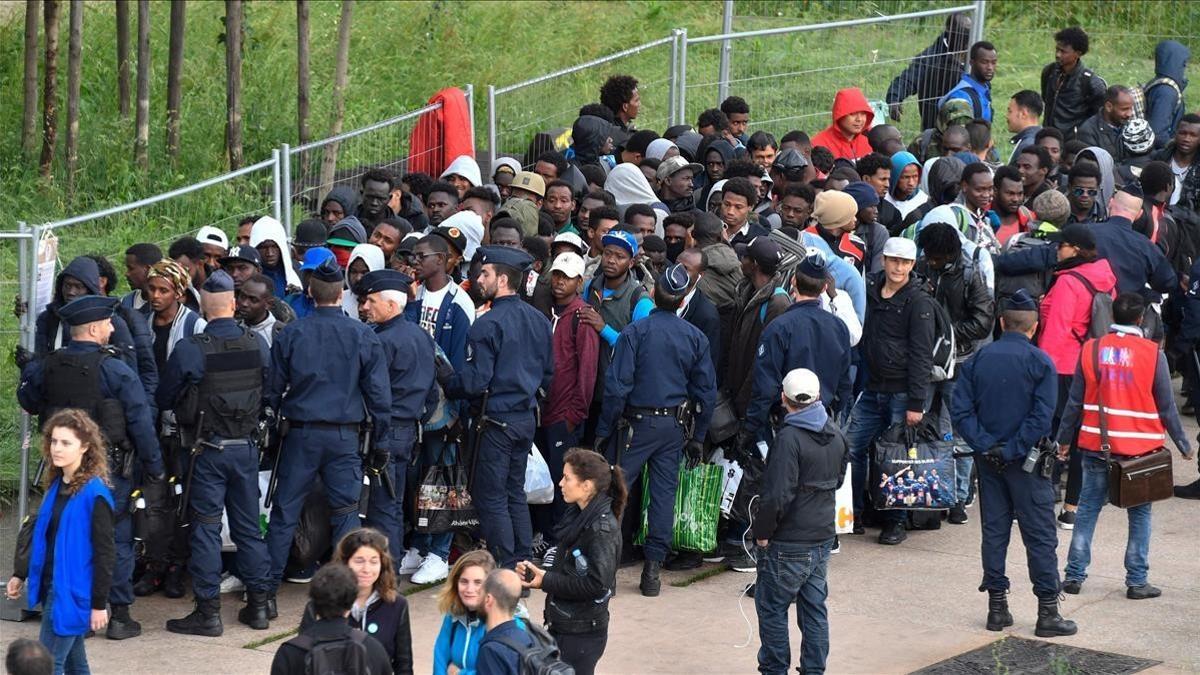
<point x="502" y="591"/>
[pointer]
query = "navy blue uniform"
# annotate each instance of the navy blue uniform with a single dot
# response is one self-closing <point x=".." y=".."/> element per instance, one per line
<point x="117" y="381"/>
<point x="1005" y="396"/>
<point x="658" y="363"/>
<point x="327" y="374"/>
<point x="409" y="354"/>
<point x="508" y="358"/>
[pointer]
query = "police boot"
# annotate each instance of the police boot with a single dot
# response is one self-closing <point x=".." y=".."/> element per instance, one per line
<point x="121" y="625"/>
<point x="256" y="613"/>
<point x="272" y="607"/>
<point x="998" y="617"/>
<point x="1050" y="623"/>
<point x="650" y="584"/>
<point x="204" y="620"/>
<point x="151" y="580"/>
<point x="172" y="583"/>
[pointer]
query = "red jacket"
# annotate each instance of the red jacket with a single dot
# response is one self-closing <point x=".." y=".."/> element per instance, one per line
<point x="1127" y="366"/>
<point x="1066" y="312"/>
<point x="845" y="102"/>
<point x="441" y="135"/>
<point x="576" y="349"/>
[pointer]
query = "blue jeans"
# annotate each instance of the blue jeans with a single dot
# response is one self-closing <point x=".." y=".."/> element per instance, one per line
<point x="435" y="451"/>
<point x="962" y="465"/>
<point x="790" y="573"/>
<point x="1092" y="497"/>
<point x="67" y="650"/>
<point x="873" y="413"/>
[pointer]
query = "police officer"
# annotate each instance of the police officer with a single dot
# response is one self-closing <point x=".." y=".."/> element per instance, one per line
<point x="1013" y="370"/>
<point x="327" y="375"/>
<point x="659" y="364"/>
<point x="409" y="353"/>
<point x="508" y="361"/>
<point x="214" y="383"/>
<point x="85" y="375"/>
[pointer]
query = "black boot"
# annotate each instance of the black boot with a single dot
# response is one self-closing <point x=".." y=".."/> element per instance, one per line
<point x="256" y="613"/>
<point x="121" y="625"/>
<point x="272" y="607"/>
<point x="650" y="584"/>
<point x="998" y="617"/>
<point x="1050" y="623"/>
<point x="204" y="620"/>
<point x="151" y="581"/>
<point x="172" y="583"/>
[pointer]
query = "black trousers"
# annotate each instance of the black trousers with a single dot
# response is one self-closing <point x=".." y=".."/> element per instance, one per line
<point x="582" y="651"/>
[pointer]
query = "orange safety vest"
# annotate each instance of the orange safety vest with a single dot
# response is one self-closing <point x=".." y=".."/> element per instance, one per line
<point x="1127" y="365"/>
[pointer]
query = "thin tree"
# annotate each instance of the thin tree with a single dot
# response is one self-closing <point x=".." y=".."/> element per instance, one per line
<point x="142" y="141"/>
<point x="233" y="82"/>
<point x="302" y="69"/>
<point x="174" y="77"/>
<point x="340" y="75"/>
<point x="33" y="17"/>
<point x="123" y="57"/>
<point x="74" y="65"/>
<point x="50" y="89"/>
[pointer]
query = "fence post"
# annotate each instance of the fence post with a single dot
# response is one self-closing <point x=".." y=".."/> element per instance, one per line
<point x="681" y="102"/>
<point x="726" y="47"/>
<point x="470" y="93"/>
<point x="491" y="128"/>
<point x="275" y="200"/>
<point x="285" y="173"/>
<point x="27" y="261"/>
<point x="671" y="72"/>
<point x="977" y="22"/>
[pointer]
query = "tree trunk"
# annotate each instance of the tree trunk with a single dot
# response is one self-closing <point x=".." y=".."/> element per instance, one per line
<point x="174" y="75"/>
<point x="33" y="16"/>
<point x="142" y="142"/>
<point x="302" y="69"/>
<point x="340" y="75"/>
<point x="233" y="82"/>
<point x="123" y="57"/>
<point x="74" y="64"/>
<point x="50" y="89"/>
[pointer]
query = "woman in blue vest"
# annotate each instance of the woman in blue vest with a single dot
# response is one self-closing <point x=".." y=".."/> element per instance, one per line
<point x="70" y="563"/>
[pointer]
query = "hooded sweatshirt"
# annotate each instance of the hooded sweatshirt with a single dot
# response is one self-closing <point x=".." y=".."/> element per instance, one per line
<point x="1164" y="105"/>
<point x="1107" y="183"/>
<point x="346" y="196"/>
<point x="705" y="186"/>
<point x="268" y="229"/>
<point x="588" y="136"/>
<point x="1065" y="314"/>
<point x="900" y="160"/>
<point x="846" y="102"/>
<point x="370" y="254"/>
<point x="465" y="166"/>
<point x="628" y="185"/>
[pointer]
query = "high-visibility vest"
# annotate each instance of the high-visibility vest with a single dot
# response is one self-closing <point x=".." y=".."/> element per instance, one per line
<point x="1127" y="364"/>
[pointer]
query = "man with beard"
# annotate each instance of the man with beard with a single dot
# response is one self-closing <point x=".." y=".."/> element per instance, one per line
<point x="675" y="183"/>
<point x="560" y="204"/>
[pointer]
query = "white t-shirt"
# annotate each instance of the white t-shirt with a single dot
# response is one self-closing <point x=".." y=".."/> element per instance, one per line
<point x="1180" y="172"/>
<point x="431" y="304"/>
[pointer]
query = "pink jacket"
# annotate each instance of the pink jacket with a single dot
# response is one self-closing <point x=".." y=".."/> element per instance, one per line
<point x="1066" y="312"/>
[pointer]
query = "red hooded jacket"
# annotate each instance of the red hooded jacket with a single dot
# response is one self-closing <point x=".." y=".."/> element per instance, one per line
<point x="846" y="102"/>
<point x="441" y="135"/>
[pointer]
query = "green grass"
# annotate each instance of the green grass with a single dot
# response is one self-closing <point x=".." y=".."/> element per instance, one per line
<point x="271" y="638"/>
<point x="700" y="576"/>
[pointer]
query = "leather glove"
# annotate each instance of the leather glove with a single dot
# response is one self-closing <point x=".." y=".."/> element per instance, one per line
<point x="694" y="452"/>
<point x="22" y="357"/>
<point x="155" y="491"/>
<point x="995" y="457"/>
<point x="379" y="459"/>
<point x="442" y="369"/>
<point x="746" y="450"/>
<point x="600" y="445"/>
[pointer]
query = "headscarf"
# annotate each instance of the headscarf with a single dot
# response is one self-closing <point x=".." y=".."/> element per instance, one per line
<point x="174" y="273"/>
<point x="370" y="254"/>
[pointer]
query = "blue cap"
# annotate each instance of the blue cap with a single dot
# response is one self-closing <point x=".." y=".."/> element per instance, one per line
<point x="814" y="265"/>
<point x="505" y="255"/>
<point x="314" y="257"/>
<point x="675" y="279"/>
<point x="244" y="253"/>
<point x="328" y="271"/>
<point x="1021" y="301"/>
<point x="218" y="282"/>
<point x="622" y="239"/>
<point x="864" y="195"/>
<point x="88" y="308"/>
<point x="382" y="280"/>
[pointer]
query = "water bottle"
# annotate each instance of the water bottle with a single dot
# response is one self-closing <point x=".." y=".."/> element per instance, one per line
<point x="581" y="562"/>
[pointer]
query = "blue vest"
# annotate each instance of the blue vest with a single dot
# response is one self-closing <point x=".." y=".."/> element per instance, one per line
<point x="71" y="613"/>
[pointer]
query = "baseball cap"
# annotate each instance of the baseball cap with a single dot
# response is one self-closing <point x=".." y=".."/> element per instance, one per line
<point x="802" y="386"/>
<point x="570" y="264"/>
<point x="621" y="239"/>
<point x="314" y="257"/>
<point x="765" y="251"/>
<point x="673" y="165"/>
<point x="245" y="253"/>
<point x="1077" y="235"/>
<point x="899" y="247"/>
<point x="531" y="182"/>
<point x="570" y="238"/>
<point x="212" y="235"/>
<point x="453" y="236"/>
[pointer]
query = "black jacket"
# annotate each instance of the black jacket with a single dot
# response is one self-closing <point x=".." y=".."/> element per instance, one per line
<point x="960" y="288"/>
<point x="702" y="313"/>
<point x="386" y="623"/>
<point x="806" y="465"/>
<point x="756" y="308"/>
<point x="897" y="340"/>
<point x="1071" y="98"/>
<point x="1096" y="131"/>
<point x="290" y="658"/>
<point x="929" y="75"/>
<point x="577" y="595"/>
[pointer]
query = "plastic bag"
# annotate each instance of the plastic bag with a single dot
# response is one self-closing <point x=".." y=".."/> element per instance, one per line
<point x="843" y="515"/>
<point x="731" y="478"/>
<point x="539" y="487"/>
<point x="264" y="514"/>
<point x="913" y="469"/>
<point x="443" y="502"/>
<point x="697" y="508"/>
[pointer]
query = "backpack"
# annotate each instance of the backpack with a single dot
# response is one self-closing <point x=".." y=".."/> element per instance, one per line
<point x="346" y="655"/>
<point x="943" y="343"/>
<point x="1140" y="93"/>
<point x="1102" y="312"/>
<point x="543" y="657"/>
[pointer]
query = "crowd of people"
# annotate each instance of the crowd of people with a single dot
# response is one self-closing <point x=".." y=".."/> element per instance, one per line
<point x="633" y="305"/>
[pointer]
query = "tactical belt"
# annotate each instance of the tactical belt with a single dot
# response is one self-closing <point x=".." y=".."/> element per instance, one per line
<point x="325" y="425"/>
<point x="652" y="412"/>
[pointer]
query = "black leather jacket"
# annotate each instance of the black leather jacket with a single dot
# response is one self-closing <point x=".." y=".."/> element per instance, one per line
<point x="1071" y="98"/>
<point x="583" y="578"/>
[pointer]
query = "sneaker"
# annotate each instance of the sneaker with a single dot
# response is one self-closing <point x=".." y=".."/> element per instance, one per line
<point x="433" y="569"/>
<point x="723" y="552"/>
<point x="1143" y="592"/>
<point x="742" y="563"/>
<point x="958" y="514"/>
<point x="232" y="584"/>
<point x="1072" y="586"/>
<point x="302" y="576"/>
<point x="411" y="562"/>
<point x="837" y="545"/>
<point x="548" y="558"/>
<point x="538" y="551"/>
<point x="1066" y="520"/>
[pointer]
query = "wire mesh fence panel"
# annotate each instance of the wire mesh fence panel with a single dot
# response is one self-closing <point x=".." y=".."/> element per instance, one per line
<point x="318" y="167"/>
<point x="11" y="427"/>
<point x="534" y="118"/>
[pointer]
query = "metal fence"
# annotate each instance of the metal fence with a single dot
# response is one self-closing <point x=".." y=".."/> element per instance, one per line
<point x="15" y="328"/>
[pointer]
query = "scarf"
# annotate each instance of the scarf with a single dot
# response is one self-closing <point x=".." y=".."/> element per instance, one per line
<point x="576" y="520"/>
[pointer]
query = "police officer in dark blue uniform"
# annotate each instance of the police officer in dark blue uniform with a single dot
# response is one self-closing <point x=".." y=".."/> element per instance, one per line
<point x="409" y="352"/>
<point x="659" y="364"/>
<point x="328" y="374"/>
<point x="214" y="383"/>
<point x="508" y="361"/>
<point x="1003" y="407"/>
<point x="85" y="375"/>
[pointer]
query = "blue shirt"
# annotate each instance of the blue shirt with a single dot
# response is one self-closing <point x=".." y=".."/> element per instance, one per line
<point x="497" y="658"/>
<point x="409" y="354"/>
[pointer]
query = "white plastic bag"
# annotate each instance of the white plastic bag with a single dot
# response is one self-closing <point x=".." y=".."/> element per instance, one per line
<point x="843" y="515"/>
<point x="730" y="480"/>
<point x="264" y="514"/>
<point x="539" y="488"/>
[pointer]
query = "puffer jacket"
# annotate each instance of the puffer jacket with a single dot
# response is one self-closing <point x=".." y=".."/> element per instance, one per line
<point x="1066" y="311"/>
<point x="961" y="289"/>
<point x="897" y="341"/>
<point x="1071" y="98"/>
<point x="584" y="577"/>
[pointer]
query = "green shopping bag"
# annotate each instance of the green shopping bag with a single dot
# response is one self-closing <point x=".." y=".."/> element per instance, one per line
<point x="697" y="508"/>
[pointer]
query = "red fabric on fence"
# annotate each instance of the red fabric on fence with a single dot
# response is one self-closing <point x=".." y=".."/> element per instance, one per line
<point x="441" y="135"/>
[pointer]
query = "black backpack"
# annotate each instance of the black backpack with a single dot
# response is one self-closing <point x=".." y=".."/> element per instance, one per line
<point x="542" y="657"/>
<point x="343" y="655"/>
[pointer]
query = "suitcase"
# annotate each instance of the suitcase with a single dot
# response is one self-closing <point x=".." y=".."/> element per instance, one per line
<point x="1133" y="481"/>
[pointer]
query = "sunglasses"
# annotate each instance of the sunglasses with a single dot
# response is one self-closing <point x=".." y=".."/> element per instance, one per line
<point x="1079" y="192"/>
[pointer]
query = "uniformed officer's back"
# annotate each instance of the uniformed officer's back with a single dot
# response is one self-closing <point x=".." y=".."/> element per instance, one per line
<point x="665" y="349"/>
<point x="520" y="334"/>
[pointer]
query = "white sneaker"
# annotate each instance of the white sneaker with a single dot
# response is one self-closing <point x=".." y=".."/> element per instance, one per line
<point x="411" y="562"/>
<point x="232" y="584"/>
<point x="433" y="569"/>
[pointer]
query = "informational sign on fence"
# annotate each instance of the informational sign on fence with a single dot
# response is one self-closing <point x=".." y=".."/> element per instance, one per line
<point x="47" y="257"/>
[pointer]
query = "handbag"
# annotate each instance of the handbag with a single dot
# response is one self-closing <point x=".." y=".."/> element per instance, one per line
<point x="697" y="508"/>
<point x="443" y="502"/>
<point x="1132" y="481"/>
<point x="913" y="469"/>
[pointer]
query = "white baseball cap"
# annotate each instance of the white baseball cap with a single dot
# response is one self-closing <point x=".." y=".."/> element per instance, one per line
<point x="899" y="247"/>
<point x="570" y="264"/>
<point x="212" y="235"/>
<point x="802" y="386"/>
<point x="572" y="239"/>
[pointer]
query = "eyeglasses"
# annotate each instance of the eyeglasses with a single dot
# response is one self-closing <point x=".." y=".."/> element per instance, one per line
<point x="1079" y="192"/>
<point x="422" y="256"/>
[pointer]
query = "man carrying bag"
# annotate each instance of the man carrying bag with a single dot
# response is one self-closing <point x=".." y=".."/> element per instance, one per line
<point x="1122" y="405"/>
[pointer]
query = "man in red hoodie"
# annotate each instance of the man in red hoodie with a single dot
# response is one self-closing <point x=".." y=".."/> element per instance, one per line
<point x="846" y="137"/>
